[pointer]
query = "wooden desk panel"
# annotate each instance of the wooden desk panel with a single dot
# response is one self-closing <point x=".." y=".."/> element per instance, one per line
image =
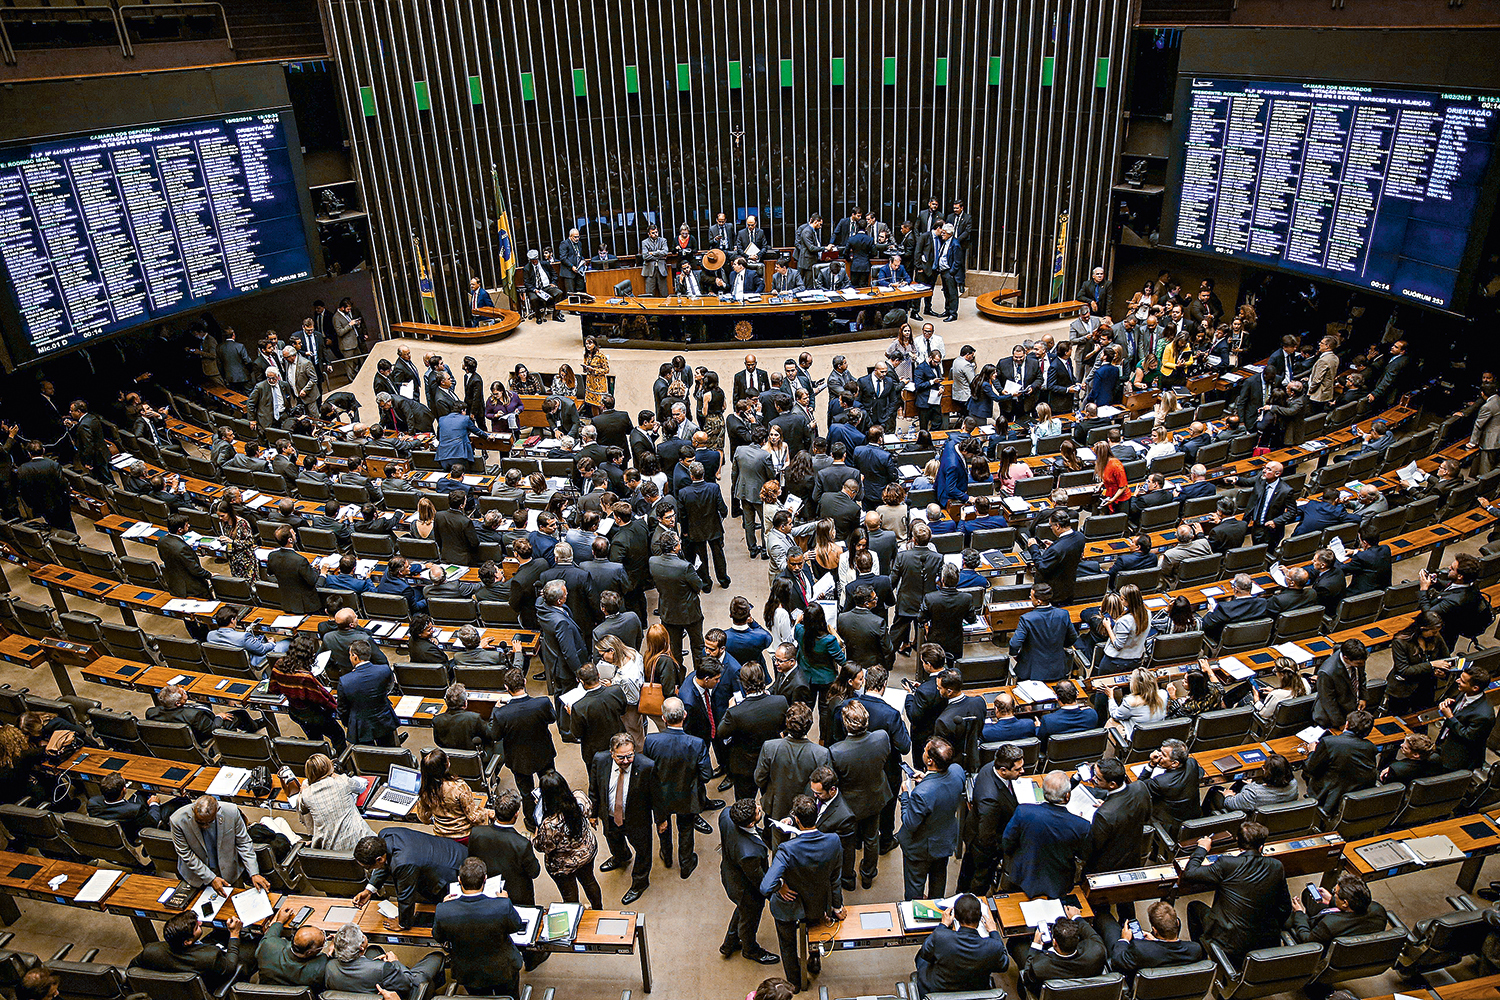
<point x="1472" y="844"/>
<point x="151" y="773"/>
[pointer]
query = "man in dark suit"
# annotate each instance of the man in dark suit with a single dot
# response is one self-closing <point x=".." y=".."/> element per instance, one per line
<point x="1327" y="581"/>
<point x="1345" y="911"/>
<point x="364" y="705"/>
<point x="1369" y="569"/>
<point x="457" y="728"/>
<point x="682" y="770"/>
<point x="506" y="851"/>
<point x="863" y="630"/>
<point x="1175" y="781"/>
<point x="420" y="864"/>
<point x="929" y="821"/>
<point x="625" y="795"/>
<point x="880" y="395"/>
<point x="1244" y="606"/>
<point x="1077" y="952"/>
<point x="1294" y="596"/>
<point x="598" y="716"/>
<point x="1342" y="762"/>
<point x="1140" y="557"/>
<point x="183" y="575"/>
<point x="475" y="929"/>
<point x="182" y="949"/>
<point x="523" y="729"/>
<point x="742" y="867"/>
<point x="835" y="816"/>
<point x="89" y="443"/>
<point x="584" y="612"/>
<point x="802" y="885"/>
<point x="133" y="813"/>
<point x="1252" y="397"/>
<point x="925" y="702"/>
<point x="961" y="720"/>
<point x="1155" y="494"/>
<point x="678" y="587"/>
<point x="946" y="610"/>
<point x="526" y="583"/>
<point x="841" y="506"/>
<point x="40" y="483"/>
<point x="958" y="956"/>
<point x="1225" y="530"/>
<point x="701" y="512"/>
<point x="1340" y="684"/>
<point x="630" y="546"/>
<point x="913" y="575"/>
<point x="457" y="542"/>
<point x="1117" y="831"/>
<point x="748" y="725"/>
<point x="860" y="760"/>
<point x="1468" y="721"/>
<point x="295" y="577"/>
<point x="1250" y="904"/>
<point x="1057" y="564"/>
<point x="1043" y="842"/>
<point x="992" y="802"/>
<point x="1272" y="506"/>
<point x="1160" y="947"/>
<point x="751" y="380"/>
<point x="1458" y="602"/>
<point x="877" y="467"/>
<point x="1072" y="714"/>
<point x="1038" y="646"/>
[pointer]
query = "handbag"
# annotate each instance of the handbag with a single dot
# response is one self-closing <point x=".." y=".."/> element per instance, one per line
<point x="652" y="695"/>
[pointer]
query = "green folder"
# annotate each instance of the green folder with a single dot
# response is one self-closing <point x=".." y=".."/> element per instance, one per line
<point x="923" y="910"/>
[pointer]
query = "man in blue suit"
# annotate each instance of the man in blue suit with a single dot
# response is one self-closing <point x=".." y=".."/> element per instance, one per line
<point x="986" y="517"/>
<point x="1141" y="557"/>
<point x="957" y="956"/>
<point x="1039" y="645"/>
<point x="364" y="702"/>
<point x="478" y="296"/>
<point x="1323" y="513"/>
<point x="1057" y="564"/>
<point x="1196" y="486"/>
<point x="884" y="718"/>
<point x="682" y="769"/>
<point x="1070" y="716"/>
<point x="927" y="387"/>
<point x="227" y="632"/>
<point x="475" y="931"/>
<point x="877" y="465"/>
<point x="421" y="864"/>
<point x="892" y="273"/>
<point x="803" y="885"/>
<point x="397" y="580"/>
<point x="1005" y="727"/>
<point x="929" y="821"/>
<point x="1043" y="842"/>
<point x="453" y="431"/>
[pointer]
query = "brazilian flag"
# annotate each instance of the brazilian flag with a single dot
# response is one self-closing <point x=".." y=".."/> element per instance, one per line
<point x="502" y="234"/>
<point x="424" y="281"/>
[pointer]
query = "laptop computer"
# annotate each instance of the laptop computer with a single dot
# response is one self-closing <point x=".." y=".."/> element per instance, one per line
<point x="400" y="791"/>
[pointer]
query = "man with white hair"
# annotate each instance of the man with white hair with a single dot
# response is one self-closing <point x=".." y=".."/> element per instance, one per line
<point x="1043" y="842"/>
<point x="270" y="403"/>
<point x="685" y="426"/>
<point x="570" y="263"/>
<point x="172" y="706"/>
<point x="948" y="260"/>
<point x="1094" y="293"/>
<point x="302" y="374"/>
<point x="357" y="969"/>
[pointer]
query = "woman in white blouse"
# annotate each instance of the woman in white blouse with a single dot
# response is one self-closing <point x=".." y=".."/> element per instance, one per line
<point x="1128" y="622"/>
<point x="1046" y="424"/>
<point x="777" y="449"/>
<point x="623" y="668"/>
<point x="1145" y="703"/>
<point x="1162" y="445"/>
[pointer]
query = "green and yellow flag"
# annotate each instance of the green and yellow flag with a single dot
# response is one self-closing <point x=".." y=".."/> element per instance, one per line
<point x="1057" y="258"/>
<point x="502" y="233"/>
<point x="424" y="281"/>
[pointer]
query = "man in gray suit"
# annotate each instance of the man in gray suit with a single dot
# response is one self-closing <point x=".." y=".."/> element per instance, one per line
<point x="358" y="969"/>
<point x="860" y="762"/>
<point x="270" y="403"/>
<point x="654" y="267"/>
<point x="752" y="470"/>
<point x="213" y="846"/>
<point x="785" y="765"/>
<point x="809" y="249"/>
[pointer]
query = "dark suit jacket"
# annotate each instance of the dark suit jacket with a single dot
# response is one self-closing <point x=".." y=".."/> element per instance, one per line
<point x="461" y="731"/>
<point x="742" y="860"/>
<point x="1235" y="609"/>
<point x="298" y="582"/>
<point x="475" y="931"/>
<point x="1290" y="599"/>
<point x="1338" y="693"/>
<point x="214" y="965"/>
<point x="1175" y="795"/>
<point x="960" y="723"/>
<point x="1461" y="742"/>
<point x="1250" y="899"/>
<point x="630" y="546"/>
<point x="1130" y="957"/>
<point x="861" y="764"/>
<point x="866" y="638"/>
<point x="1281" y="509"/>
<point x="523" y="728"/>
<point x="457" y="542"/>
<point x="677" y="586"/>
<point x="929" y="815"/>
<point x="960" y="959"/>
<point x="843" y="511"/>
<point x="183" y="575"/>
<point x="420" y="864"/>
<point x="132" y="813"/>
<point x="913" y="575"/>
<point x="837" y="818"/>
<point x="1042" y="844"/>
<point x="596" y="718"/>
<point x="1045" y="966"/>
<point x="364" y="704"/>
<point x="747" y="726"/>
<point x="701" y="511"/>
<point x="507" y="851"/>
<point x="1039" y="644"/>
<point x="1130" y="561"/>
<point x="682" y="769"/>
<point x="923" y="706"/>
<point x="1341" y="763"/>
<point x="991" y="805"/>
<point x="642" y="798"/>
<point x="746" y="385"/>
<point x="1060" y="722"/>
<point x="945" y="611"/>
<point x="809" y="864"/>
<point x="1369" y="570"/>
<point x="1057" y="565"/>
<point x="1118" y="830"/>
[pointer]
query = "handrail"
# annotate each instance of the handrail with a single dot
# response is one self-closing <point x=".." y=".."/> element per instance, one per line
<point x="157" y="9"/>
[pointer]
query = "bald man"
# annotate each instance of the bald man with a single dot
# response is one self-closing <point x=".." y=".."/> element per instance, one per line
<point x="291" y="959"/>
<point x="1271" y="507"/>
<point x="338" y="634"/>
<point x="214" y="846"/>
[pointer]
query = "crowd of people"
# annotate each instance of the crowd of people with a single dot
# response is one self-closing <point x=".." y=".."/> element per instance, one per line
<point x="794" y="707"/>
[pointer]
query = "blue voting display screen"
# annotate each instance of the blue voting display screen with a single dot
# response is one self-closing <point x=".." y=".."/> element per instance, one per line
<point x="1373" y="188"/>
<point x="104" y="232"/>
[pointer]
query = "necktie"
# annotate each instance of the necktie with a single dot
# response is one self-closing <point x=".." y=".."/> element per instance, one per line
<point x="708" y="706"/>
<point x="619" y="813"/>
<point x="1266" y="507"/>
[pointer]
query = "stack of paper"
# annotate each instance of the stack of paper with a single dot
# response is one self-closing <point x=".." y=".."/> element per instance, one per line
<point x="98" y="885"/>
<point x="408" y="706"/>
<point x="288" y="621"/>
<point x="1034" y="691"/>
<point x="493" y="886"/>
<point x="1234" y="668"/>
<point x="1339" y="552"/>
<point x="1434" y="849"/>
<point x="1294" y="652"/>
<point x="1017" y="505"/>
<point x="1081" y="803"/>
<point x="1311" y="734"/>
<point x="561" y="922"/>
<point x="1027" y="792"/>
<point x="139" y="529"/>
<point x="1040" y="913"/>
<point x="228" y="781"/>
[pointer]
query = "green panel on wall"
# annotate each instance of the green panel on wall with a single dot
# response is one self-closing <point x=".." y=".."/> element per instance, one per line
<point x="632" y="80"/>
<point x="424" y="99"/>
<point x="786" y="72"/>
<point x="528" y="87"/>
<point x="836" y="71"/>
<point x="736" y="74"/>
<point x="890" y="70"/>
<point x="1101" y="72"/>
<point x="940" y="72"/>
<point x="580" y="83"/>
<point x="1047" y="69"/>
<point x="367" y="100"/>
<point x="994" y="70"/>
<point x="476" y="91"/>
<point x="684" y="77"/>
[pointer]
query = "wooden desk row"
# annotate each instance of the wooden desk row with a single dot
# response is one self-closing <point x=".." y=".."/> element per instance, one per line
<point x="1476" y="835"/>
<point x="138" y="896"/>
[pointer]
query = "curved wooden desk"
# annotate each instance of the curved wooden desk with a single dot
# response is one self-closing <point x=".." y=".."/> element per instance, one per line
<point x="464" y="334"/>
<point x="991" y="304"/>
<point x="722" y="322"/>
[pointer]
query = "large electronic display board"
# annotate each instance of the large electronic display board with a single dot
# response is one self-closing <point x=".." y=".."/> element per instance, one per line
<point x="1377" y="188"/>
<point x="105" y="232"/>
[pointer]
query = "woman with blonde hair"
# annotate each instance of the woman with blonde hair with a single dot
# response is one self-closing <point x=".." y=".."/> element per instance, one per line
<point x="928" y="477"/>
<point x="1289" y="684"/>
<point x="447" y="802"/>
<point x="1162" y="445"/>
<point x="1126" y="646"/>
<point x="1166" y="403"/>
<point x="1144" y="704"/>
<point x="624" y="669"/>
<point x="1046" y="424"/>
<point x="329" y="803"/>
<point x="894" y="514"/>
<point x="426" y="522"/>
